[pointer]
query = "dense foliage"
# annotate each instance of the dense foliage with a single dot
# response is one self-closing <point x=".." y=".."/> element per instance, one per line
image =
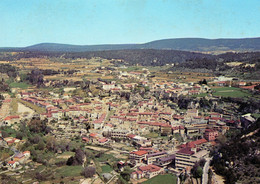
<point x="238" y="159"/>
<point x="9" y="70"/>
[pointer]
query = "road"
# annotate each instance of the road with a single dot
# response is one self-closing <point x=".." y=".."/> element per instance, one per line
<point x="205" y="171"/>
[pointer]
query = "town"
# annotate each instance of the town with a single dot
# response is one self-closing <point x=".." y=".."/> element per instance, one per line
<point x="95" y="121"/>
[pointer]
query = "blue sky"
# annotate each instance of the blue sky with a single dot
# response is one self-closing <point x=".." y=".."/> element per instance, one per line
<point x="87" y="22"/>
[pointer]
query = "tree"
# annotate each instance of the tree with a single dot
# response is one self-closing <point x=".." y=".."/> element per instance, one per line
<point x="41" y="145"/>
<point x="79" y="156"/>
<point x="89" y="172"/>
<point x="126" y="173"/>
<point x="197" y="171"/>
<point x="78" y="159"/>
<point x="51" y="143"/>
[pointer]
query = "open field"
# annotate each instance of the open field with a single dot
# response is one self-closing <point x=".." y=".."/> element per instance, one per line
<point x="21" y="85"/>
<point x="151" y="135"/>
<point x="162" y="179"/>
<point x="230" y="92"/>
<point x="32" y="106"/>
<point x="182" y="76"/>
<point x="106" y="169"/>
<point x="67" y="171"/>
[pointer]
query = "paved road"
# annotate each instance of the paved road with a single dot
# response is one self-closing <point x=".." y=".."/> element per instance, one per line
<point x="205" y="171"/>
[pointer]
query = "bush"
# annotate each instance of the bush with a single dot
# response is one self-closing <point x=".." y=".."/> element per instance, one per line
<point x="89" y="172"/>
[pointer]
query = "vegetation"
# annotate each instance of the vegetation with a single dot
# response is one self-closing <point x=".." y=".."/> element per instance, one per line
<point x="106" y="169"/>
<point x="67" y="171"/>
<point x="9" y="70"/>
<point x="22" y="85"/>
<point x="230" y="92"/>
<point x="162" y="179"/>
<point x="88" y="171"/>
<point x="237" y="159"/>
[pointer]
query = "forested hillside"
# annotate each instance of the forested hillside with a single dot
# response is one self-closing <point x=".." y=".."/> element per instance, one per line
<point x="238" y="160"/>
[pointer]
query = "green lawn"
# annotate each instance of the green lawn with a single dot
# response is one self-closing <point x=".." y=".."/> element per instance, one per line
<point x="201" y="95"/>
<point x="230" y="92"/>
<point x="67" y="153"/>
<point x="152" y="135"/>
<point x="21" y="85"/>
<point x="106" y="169"/>
<point x="106" y="157"/>
<point x="162" y="179"/>
<point x="69" y="170"/>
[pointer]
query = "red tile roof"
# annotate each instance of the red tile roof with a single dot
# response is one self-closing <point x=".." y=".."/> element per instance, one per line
<point x="103" y="140"/>
<point x="149" y="168"/>
<point x="139" y="153"/>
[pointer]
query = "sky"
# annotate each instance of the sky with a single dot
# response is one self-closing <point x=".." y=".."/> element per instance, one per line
<point x="90" y="22"/>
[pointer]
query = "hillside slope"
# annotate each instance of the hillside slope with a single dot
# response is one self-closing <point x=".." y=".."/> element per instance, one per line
<point x="186" y="44"/>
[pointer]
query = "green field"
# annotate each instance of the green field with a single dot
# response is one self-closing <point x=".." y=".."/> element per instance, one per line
<point x="21" y="85"/>
<point x="106" y="169"/>
<point x="106" y="157"/>
<point x="69" y="171"/>
<point x="152" y="135"/>
<point x="162" y="179"/>
<point x="230" y="92"/>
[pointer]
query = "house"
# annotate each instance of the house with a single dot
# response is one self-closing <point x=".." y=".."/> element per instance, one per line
<point x="137" y="156"/>
<point x="108" y="86"/>
<point x="151" y="158"/>
<point x="9" y="120"/>
<point x="97" y="124"/>
<point x="103" y="141"/>
<point x="85" y="139"/>
<point x="13" y="164"/>
<point x="198" y="143"/>
<point x="210" y="134"/>
<point x="117" y="133"/>
<point x="164" y="161"/>
<point x="147" y="171"/>
<point x="192" y="112"/>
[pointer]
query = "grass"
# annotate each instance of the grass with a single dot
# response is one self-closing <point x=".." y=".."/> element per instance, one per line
<point x="66" y="171"/>
<point x="106" y="157"/>
<point x="106" y="169"/>
<point x="36" y="108"/>
<point x="200" y="95"/>
<point x="67" y="153"/>
<point x="230" y="92"/>
<point x="21" y="85"/>
<point x="162" y="179"/>
<point x="152" y="135"/>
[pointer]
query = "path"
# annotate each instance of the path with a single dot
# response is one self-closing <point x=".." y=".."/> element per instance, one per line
<point x="205" y="171"/>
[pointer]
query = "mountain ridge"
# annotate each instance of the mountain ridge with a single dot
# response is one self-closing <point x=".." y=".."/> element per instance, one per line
<point x="186" y="44"/>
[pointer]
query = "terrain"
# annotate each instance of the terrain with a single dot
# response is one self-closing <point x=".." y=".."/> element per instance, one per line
<point x="186" y="44"/>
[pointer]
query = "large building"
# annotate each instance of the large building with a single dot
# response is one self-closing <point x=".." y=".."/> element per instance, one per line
<point x="151" y="158"/>
<point x="147" y="171"/>
<point x="210" y="134"/>
<point x="138" y="156"/>
<point x="187" y="157"/>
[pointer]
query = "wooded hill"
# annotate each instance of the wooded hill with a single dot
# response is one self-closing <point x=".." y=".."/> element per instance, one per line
<point x="186" y="44"/>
